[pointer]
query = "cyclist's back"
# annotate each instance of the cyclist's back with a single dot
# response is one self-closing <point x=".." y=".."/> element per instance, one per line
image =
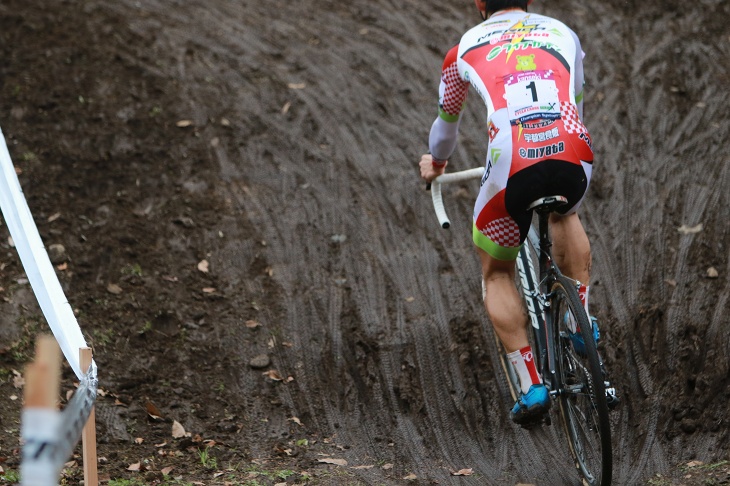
<point x="528" y="70"/>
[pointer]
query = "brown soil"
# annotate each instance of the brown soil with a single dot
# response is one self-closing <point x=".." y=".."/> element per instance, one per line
<point x="296" y="180"/>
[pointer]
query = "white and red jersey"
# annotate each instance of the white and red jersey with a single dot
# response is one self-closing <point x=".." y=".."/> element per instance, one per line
<point x="528" y="65"/>
<point x="528" y="70"/>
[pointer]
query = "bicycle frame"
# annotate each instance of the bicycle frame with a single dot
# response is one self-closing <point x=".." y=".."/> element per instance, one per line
<point x="535" y="291"/>
<point x="574" y="378"/>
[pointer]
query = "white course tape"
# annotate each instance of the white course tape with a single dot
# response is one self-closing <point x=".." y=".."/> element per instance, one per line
<point x="41" y="464"/>
<point x="49" y="436"/>
<point x="37" y="264"/>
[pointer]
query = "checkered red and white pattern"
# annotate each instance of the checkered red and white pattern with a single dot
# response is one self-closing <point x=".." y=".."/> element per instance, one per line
<point x="504" y="232"/>
<point x="455" y="90"/>
<point x="569" y="114"/>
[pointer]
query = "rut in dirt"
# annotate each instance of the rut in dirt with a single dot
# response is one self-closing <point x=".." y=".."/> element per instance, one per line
<point x="327" y="109"/>
<point x="390" y="344"/>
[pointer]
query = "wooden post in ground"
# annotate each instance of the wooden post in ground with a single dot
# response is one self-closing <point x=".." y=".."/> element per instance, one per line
<point x="88" y="436"/>
<point x="43" y="376"/>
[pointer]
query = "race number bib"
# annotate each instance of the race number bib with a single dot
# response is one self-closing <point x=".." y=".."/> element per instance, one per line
<point x="531" y="95"/>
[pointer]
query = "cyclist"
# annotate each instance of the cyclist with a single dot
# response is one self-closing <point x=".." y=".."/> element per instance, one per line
<point x="528" y="70"/>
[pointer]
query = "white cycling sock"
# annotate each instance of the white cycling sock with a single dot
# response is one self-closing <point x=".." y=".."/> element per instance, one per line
<point x="524" y="364"/>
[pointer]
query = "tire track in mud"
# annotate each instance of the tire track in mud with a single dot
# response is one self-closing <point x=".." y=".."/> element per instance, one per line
<point x="329" y="109"/>
<point x="657" y="128"/>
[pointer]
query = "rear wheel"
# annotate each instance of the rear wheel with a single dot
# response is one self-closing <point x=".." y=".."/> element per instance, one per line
<point x="581" y="388"/>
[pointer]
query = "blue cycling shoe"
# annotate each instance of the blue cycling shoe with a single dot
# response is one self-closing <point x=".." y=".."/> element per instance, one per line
<point x="578" y="344"/>
<point x="531" y="406"/>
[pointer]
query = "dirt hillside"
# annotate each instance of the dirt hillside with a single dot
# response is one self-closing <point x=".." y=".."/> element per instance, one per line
<point x="251" y="254"/>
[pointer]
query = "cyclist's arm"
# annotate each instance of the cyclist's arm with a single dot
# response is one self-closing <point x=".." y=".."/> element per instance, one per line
<point x="452" y="96"/>
<point x="579" y="75"/>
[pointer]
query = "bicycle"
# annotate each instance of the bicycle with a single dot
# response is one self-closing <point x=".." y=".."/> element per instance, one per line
<point x="556" y="315"/>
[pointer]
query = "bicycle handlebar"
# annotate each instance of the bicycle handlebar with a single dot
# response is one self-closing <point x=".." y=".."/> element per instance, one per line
<point x="438" y="202"/>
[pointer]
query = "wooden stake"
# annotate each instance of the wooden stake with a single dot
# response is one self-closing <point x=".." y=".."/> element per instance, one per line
<point x="88" y="436"/>
<point x="42" y="377"/>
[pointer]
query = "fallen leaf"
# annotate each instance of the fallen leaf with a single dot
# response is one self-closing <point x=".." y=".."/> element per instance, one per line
<point x="686" y="230"/>
<point x="69" y="464"/>
<point x="712" y="272"/>
<point x="138" y="440"/>
<point x="694" y="463"/>
<point x="463" y="472"/>
<point x="178" y="431"/>
<point x="218" y="474"/>
<point x="163" y="444"/>
<point x="332" y="460"/>
<point x="114" y="289"/>
<point x="11" y="242"/>
<point x="203" y="266"/>
<point x="251" y="324"/>
<point x="62" y="267"/>
<point x="53" y="217"/>
<point x="285" y="108"/>
<point x="225" y="122"/>
<point x="152" y="410"/>
<point x="18" y="381"/>
<point x="671" y="282"/>
<point x="134" y="467"/>
<point x="363" y="467"/>
<point x="166" y="470"/>
<point x="273" y="375"/>
<point x="209" y="290"/>
<point x="387" y="466"/>
<point x="297" y="85"/>
<point x="184" y="123"/>
<point x="410" y="477"/>
<point x="296" y="420"/>
<point x="13" y="397"/>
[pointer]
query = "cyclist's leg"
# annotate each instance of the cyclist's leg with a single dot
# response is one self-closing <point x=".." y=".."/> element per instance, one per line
<point x="571" y="247"/>
<point x="502" y="301"/>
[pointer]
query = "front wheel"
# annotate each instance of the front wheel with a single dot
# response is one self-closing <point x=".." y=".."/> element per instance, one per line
<point x="581" y="389"/>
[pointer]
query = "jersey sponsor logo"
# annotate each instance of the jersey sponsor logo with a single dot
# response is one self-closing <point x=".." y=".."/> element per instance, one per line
<point x="542" y="136"/>
<point x="492" y="160"/>
<point x="519" y="46"/>
<point x="538" y="124"/>
<point x="542" y="152"/>
<point x="587" y="139"/>
<point x="493" y="131"/>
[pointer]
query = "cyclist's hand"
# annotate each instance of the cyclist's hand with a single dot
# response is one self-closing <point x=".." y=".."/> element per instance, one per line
<point x="428" y="171"/>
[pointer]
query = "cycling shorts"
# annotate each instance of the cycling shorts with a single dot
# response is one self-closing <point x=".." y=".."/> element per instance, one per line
<point x="524" y="164"/>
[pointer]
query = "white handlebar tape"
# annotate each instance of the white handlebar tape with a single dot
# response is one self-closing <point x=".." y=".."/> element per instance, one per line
<point x="438" y="202"/>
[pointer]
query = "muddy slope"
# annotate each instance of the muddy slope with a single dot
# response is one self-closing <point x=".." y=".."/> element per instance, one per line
<point x="296" y="180"/>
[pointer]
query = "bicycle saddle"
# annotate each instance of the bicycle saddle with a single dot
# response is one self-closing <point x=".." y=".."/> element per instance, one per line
<point x="548" y="203"/>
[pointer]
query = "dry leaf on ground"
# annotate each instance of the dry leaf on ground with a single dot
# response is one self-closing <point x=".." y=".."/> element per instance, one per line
<point x="178" y="431"/>
<point x="332" y="460"/>
<point x="686" y="230"/>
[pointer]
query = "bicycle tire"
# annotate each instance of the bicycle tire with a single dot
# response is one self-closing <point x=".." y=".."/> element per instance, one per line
<point x="582" y="394"/>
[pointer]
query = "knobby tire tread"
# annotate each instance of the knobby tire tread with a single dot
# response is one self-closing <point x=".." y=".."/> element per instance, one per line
<point x="566" y="287"/>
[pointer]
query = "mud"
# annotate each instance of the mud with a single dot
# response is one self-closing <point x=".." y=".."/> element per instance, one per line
<point x="294" y="176"/>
